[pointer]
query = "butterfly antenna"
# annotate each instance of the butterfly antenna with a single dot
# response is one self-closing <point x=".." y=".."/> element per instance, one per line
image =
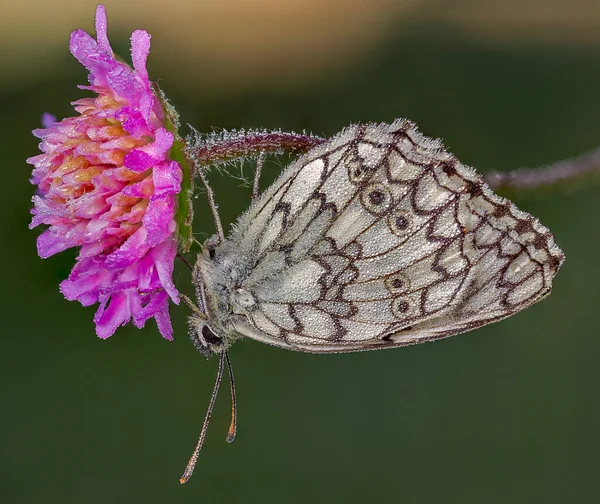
<point x="259" y="166"/>
<point x="233" y="426"/>
<point x="214" y="208"/>
<point x="189" y="470"/>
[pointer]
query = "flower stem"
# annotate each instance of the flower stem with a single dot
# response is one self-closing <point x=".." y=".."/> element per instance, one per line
<point x="218" y="148"/>
<point x="226" y="146"/>
<point x="548" y="175"/>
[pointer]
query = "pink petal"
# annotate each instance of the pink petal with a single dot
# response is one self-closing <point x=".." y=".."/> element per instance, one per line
<point x="142" y="189"/>
<point x="109" y="318"/>
<point x="164" y="259"/>
<point x="51" y="242"/>
<point x="48" y="120"/>
<point x="131" y="251"/>
<point x="140" y="48"/>
<point x="158" y="307"/>
<point x="163" y="141"/>
<point x="74" y="289"/>
<point x="81" y="46"/>
<point x="101" y="32"/>
<point x="163" y="321"/>
<point x="139" y="161"/>
<point x="158" y="218"/>
<point x="124" y="83"/>
<point x="167" y="178"/>
<point x="134" y="121"/>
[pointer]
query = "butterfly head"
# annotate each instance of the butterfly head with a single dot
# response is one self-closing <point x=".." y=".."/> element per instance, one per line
<point x="208" y="325"/>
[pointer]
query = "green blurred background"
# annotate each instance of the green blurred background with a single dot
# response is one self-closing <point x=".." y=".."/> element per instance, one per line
<point x="507" y="413"/>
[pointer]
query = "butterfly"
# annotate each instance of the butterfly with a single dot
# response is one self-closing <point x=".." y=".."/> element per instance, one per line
<point x="378" y="238"/>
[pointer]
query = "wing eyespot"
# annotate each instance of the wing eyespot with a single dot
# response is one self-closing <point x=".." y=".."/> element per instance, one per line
<point x="399" y="223"/>
<point x="376" y="198"/>
<point x="400" y="307"/>
<point x="357" y="171"/>
<point x="397" y="284"/>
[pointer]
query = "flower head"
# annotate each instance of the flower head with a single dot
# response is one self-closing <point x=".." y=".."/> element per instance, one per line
<point x="107" y="183"/>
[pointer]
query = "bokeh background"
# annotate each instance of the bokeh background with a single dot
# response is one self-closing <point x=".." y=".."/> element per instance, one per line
<point x="507" y="413"/>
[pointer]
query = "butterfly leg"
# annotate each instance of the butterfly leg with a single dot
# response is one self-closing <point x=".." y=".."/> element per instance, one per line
<point x="193" y="306"/>
<point x="214" y="208"/>
<point x="184" y="261"/>
<point x="259" y="166"/>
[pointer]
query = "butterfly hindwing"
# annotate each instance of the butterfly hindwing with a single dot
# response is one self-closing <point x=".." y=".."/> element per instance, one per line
<point x="381" y="238"/>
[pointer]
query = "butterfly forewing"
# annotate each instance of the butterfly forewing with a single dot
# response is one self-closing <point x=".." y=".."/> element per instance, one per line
<point x="381" y="238"/>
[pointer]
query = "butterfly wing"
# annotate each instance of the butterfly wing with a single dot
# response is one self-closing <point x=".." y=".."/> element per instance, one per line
<point x="381" y="238"/>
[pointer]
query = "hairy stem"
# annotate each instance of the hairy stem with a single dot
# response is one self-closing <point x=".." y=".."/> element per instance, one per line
<point x="230" y="145"/>
<point x="220" y="148"/>
<point x="548" y="175"/>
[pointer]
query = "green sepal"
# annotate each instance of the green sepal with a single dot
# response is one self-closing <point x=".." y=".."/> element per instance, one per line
<point x="185" y="210"/>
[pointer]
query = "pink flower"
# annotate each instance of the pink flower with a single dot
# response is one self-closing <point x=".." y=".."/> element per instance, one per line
<point x="106" y="183"/>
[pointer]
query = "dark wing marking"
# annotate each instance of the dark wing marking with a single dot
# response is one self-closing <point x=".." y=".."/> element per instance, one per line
<point x="382" y="238"/>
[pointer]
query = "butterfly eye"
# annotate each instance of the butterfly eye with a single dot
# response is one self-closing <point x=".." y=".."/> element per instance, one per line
<point x="400" y="307"/>
<point x="209" y="247"/>
<point x="203" y="338"/>
<point x="399" y="223"/>
<point x="397" y="284"/>
<point x="376" y="198"/>
<point x="208" y="251"/>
